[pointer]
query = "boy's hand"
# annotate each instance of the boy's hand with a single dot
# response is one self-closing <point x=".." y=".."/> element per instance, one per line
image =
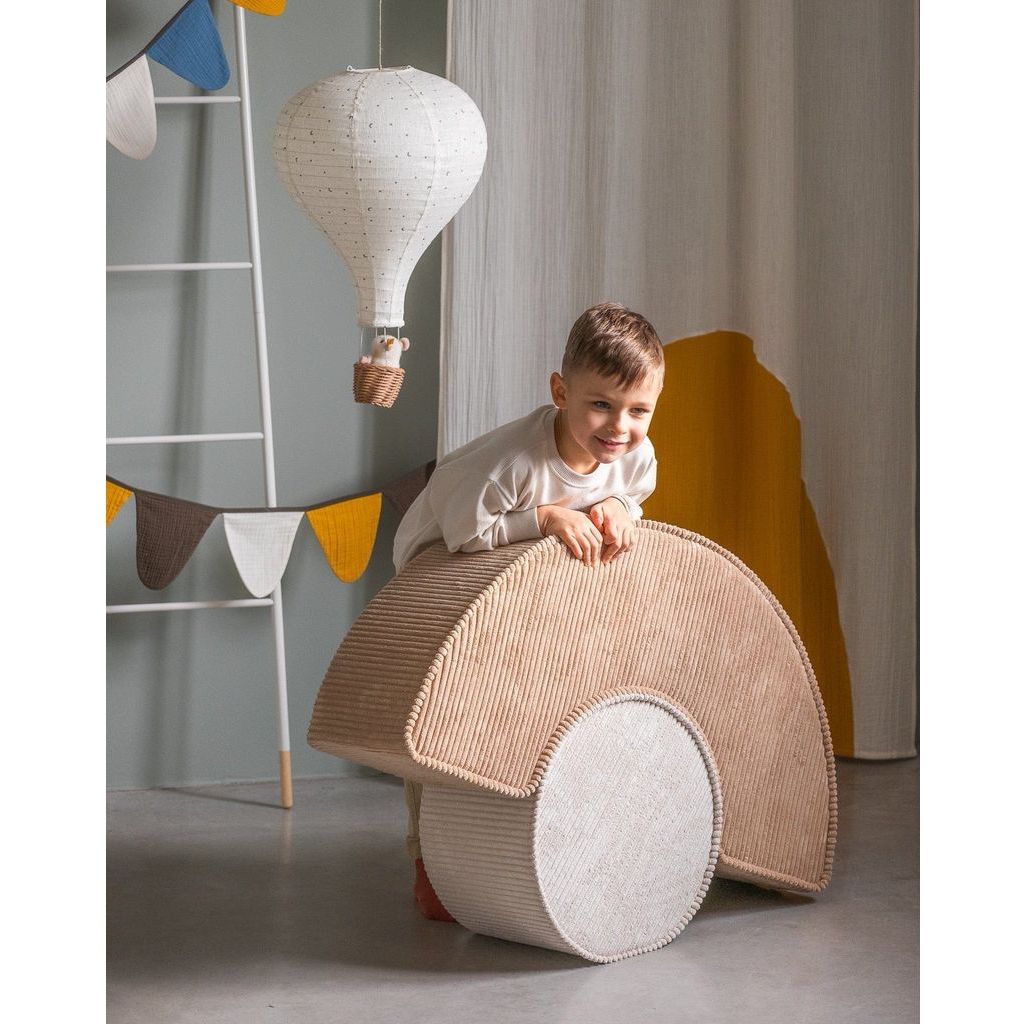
<point x="618" y="531"/>
<point x="574" y="529"/>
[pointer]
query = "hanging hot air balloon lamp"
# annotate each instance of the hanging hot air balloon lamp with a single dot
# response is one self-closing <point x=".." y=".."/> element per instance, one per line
<point x="380" y="159"/>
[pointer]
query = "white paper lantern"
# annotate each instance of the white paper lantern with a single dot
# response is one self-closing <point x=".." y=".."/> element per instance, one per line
<point x="381" y="160"/>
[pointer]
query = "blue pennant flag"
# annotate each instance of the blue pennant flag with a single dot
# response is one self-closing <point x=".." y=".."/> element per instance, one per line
<point x="190" y="46"/>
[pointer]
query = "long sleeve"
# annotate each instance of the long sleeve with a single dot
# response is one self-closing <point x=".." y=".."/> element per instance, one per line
<point x="640" y="488"/>
<point x="472" y="518"/>
<point x="485" y="495"/>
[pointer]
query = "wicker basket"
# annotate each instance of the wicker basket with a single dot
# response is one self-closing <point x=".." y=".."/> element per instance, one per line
<point x="377" y="385"/>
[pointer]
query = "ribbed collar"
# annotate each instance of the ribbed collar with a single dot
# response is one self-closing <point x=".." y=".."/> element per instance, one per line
<point x="557" y="463"/>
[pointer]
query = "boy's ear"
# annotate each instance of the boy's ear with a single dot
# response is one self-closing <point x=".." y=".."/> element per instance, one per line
<point x="558" y="394"/>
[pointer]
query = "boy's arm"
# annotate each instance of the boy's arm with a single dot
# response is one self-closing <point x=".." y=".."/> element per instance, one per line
<point x="618" y="531"/>
<point x="474" y="516"/>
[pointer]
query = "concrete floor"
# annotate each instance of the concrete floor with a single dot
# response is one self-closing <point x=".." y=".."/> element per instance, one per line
<point x="224" y="908"/>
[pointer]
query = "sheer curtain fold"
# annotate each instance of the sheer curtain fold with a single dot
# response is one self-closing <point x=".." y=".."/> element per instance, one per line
<point x="719" y="165"/>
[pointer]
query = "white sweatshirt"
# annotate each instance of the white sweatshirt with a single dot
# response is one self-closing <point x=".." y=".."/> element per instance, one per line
<point x="486" y="493"/>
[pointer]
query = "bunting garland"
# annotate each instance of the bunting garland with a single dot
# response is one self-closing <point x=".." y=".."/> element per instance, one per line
<point x="131" y="110"/>
<point x="260" y="544"/>
<point x="116" y="497"/>
<point x="403" y="491"/>
<point x="168" y="530"/>
<point x="190" y="46"/>
<point x="346" y="531"/>
<point x="272" y="8"/>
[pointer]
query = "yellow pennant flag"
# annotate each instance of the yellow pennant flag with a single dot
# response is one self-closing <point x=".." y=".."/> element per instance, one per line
<point x="269" y="7"/>
<point x="116" y="497"/>
<point x="346" y="531"/>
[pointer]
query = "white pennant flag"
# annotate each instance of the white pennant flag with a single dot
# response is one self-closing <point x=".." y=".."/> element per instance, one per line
<point x="131" y="110"/>
<point x="260" y="544"/>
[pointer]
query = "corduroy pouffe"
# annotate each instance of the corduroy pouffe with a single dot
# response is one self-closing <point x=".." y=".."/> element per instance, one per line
<point x="465" y="669"/>
<point x="610" y="857"/>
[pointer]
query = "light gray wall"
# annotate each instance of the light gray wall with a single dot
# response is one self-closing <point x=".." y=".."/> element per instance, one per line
<point x="191" y="695"/>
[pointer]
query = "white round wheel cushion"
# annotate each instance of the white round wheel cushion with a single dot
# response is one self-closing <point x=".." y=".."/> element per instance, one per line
<point x="610" y="857"/>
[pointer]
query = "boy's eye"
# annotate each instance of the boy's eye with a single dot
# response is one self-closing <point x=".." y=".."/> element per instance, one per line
<point x="602" y="405"/>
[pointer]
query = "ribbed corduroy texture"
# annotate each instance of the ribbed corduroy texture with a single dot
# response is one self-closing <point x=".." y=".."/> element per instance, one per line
<point x="466" y="669"/>
<point x="611" y="856"/>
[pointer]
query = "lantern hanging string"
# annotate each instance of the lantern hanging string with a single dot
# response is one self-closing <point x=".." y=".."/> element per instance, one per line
<point x="380" y="36"/>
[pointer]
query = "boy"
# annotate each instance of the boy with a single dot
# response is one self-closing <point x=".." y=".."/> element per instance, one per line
<point x="576" y="470"/>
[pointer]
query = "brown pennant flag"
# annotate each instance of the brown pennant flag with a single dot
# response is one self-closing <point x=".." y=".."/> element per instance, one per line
<point x="404" y="491"/>
<point x="167" y="531"/>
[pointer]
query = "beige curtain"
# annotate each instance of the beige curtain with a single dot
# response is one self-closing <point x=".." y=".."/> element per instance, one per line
<point x="743" y="172"/>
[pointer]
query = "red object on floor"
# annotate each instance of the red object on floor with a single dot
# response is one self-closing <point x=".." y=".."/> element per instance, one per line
<point x="426" y="899"/>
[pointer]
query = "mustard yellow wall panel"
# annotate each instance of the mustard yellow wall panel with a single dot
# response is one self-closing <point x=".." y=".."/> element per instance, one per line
<point x="729" y="467"/>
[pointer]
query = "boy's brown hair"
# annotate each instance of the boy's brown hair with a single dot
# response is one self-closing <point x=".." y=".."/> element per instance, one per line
<point x="614" y="342"/>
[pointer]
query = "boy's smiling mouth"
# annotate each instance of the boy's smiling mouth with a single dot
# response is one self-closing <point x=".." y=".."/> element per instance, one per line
<point x="612" y="446"/>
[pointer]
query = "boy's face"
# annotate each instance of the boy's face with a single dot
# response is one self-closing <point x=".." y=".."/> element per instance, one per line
<point x="602" y="418"/>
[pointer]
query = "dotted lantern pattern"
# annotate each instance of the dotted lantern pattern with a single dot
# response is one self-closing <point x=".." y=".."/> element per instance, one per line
<point x="381" y="161"/>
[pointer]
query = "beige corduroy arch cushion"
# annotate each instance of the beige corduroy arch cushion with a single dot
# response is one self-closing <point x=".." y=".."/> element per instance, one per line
<point x="465" y="670"/>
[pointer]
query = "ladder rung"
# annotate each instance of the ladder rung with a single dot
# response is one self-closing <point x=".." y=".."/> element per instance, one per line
<point x="254" y="267"/>
<point x="188" y="606"/>
<point x="175" y="100"/>
<point x="128" y="267"/>
<point x="255" y="435"/>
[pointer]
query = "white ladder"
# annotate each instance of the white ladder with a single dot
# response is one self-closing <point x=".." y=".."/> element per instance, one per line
<point x="265" y="434"/>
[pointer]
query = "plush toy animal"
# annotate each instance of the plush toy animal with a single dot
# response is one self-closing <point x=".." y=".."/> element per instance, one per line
<point x="387" y="351"/>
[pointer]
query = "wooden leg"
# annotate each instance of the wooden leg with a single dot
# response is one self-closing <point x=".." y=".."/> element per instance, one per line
<point x="413" y="796"/>
<point x="286" y="779"/>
